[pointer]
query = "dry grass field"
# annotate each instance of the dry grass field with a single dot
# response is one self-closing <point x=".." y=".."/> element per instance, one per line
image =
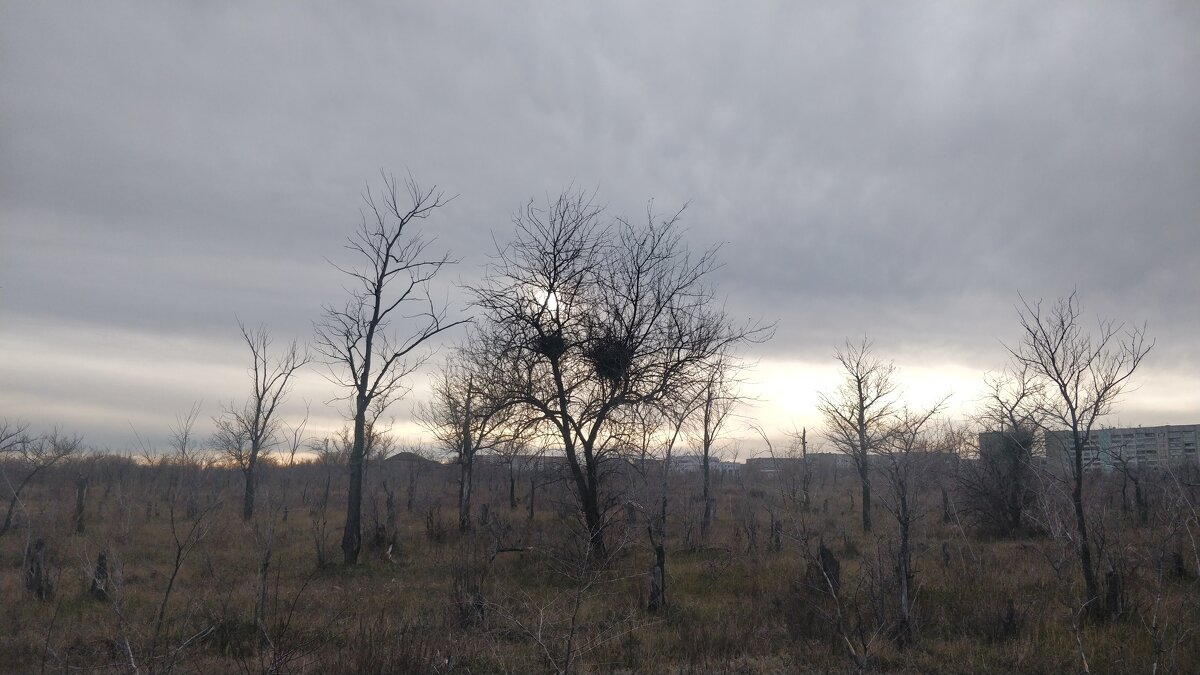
<point x="192" y="588"/>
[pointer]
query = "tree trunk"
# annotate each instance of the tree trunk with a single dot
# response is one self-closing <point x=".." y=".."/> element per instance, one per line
<point x="37" y="574"/>
<point x="658" y="579"/>
<point x="904" y="574"/>
<point x="99" y="586"/>
<point x="532" y="494"/>
<point x="595" y="523"/>
<point x="248" y="498"/>
<point x="1091" y="585"/>
<point x="587" y="484"/>
<point x="12" y="505"/>
<point x="1143" y="506"/>
<point x="81" y="490"/>
<point x="706" y="520"/>
<point x="464" y="494"/>
<point x="466" y="457"/>
<point x="864" y="474"/>
<point x="831" y="569"/>
<point x="1015" y="497"/>
<point x="352" y="533"/>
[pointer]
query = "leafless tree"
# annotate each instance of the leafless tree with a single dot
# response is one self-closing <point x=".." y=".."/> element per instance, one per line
<point x="246" y="433"/>
<point x="663" y="426"/>
<point x="717" y="400"/>
<point x="798" y="449"/>
<point x="1126" y="462"/>
<point x="999" y="485"/>
<point x="368" y="354"/>
<point x="29" y="456"/>
<point x="465" y="418"/>
<point x="518" y="456"/>
<point x="1084" y="374"/>
<point x="335" y="449"/>
<point x="860" y="415"/>
<point x="11" y="434"/>
<point x="181" y="440"/>
<point x="294" y="437"/>
<point x="906" y="458"/>
<point x="590" y="319"/>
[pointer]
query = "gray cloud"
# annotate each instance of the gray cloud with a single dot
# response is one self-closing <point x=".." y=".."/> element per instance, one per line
<point x="896" y="171"/>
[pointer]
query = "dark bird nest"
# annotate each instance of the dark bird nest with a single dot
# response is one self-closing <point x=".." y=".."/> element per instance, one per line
<point x="550" y="345"/>
<point x="611" y="356"/>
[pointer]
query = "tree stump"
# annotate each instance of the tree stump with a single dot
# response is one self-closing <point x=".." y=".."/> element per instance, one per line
<point x="99" y="586"/>
<point x="831" y="568"/>
<point x="37" y="576"/>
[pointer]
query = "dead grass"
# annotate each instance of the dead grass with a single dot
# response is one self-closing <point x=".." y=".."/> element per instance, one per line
<point x="449" y="603"/>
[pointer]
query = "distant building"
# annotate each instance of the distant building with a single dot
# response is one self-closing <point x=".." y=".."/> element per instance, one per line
<point x="695" y="464"/>
<point x="996" y="445"/>
<point x="1142" y="447"/>
<point x="817" y="461"/>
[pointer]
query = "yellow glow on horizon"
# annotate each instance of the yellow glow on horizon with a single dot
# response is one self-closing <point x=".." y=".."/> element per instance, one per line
<point x="785" y="393"/>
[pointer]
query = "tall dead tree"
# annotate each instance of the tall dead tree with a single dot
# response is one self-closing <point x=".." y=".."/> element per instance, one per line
<point x="798" y="449"/>
<point x="1084" y="374"/>
<point x="245" y="434"/>
<point x="860" y="415"/>
<point x="369" y="355"/>
<point x="589" y="319"/>
<point x="907" y="458"/>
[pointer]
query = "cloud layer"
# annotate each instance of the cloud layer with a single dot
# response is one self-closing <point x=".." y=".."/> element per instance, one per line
<point x="898" y="171"/>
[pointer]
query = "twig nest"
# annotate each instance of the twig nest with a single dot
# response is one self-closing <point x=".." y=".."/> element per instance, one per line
<point x="611" y="356"/>
<point x="550" y="345"/>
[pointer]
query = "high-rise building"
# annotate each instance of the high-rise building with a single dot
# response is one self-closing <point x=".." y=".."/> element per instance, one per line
<point x="1141" y="447"/>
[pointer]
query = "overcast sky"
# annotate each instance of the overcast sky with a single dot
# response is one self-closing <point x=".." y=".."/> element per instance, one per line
<point x="895" y="170"/>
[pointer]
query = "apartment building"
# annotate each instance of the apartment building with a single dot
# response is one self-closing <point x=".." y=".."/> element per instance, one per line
<point x="1142" y="447"/>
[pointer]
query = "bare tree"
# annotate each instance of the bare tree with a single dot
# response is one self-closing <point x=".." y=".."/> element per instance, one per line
<point x="802" y="478"/>
<point x="517" y="455"/>
<point x="905" y="457"/>
<point x="589" y="320"/>
<point x="666" y="419"/>
<point x="1084" y="374"/>
<point x="465" y="418"/>
<point x="294" y="437"/>
<point x="860" y="415"/>
<point x="336" y="448"/>
<point x="1125" y="461"/>
<point x="29" y="455"/>
<point x="255" y="424"/>
<point x="718" y="398"/>
<point x="11" y="434"/>
<point x="181" y="440"/>
<point x="999" y="485"/>
<point x="368" y="355"/>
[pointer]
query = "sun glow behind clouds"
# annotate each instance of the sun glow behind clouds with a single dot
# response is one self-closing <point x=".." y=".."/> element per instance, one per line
<point x="539" y="299"/>
<point x="784" y="394"/>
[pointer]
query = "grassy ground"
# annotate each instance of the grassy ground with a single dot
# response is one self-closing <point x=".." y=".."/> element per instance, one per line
<point x="518" y="594"/>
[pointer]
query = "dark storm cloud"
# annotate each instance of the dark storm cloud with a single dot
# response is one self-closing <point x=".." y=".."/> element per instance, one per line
<point x="896" y="171"/>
